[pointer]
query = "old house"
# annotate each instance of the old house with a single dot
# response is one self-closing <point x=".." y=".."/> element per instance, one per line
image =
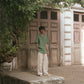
<point x="65" y="31"/>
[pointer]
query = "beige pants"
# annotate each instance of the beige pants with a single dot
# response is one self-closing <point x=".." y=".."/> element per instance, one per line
<point x="42" y="66"/>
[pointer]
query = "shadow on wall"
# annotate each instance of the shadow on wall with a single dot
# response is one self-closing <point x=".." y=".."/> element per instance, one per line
<point x="22" y="56"/>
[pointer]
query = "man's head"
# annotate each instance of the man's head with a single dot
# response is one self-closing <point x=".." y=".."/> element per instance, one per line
<point x="42" y="29"/>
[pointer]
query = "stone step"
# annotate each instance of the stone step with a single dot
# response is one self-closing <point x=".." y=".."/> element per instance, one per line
<point x="29" y="78"/>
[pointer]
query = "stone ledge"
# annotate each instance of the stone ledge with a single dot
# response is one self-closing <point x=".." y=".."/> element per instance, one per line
<point x="29" y="78"/>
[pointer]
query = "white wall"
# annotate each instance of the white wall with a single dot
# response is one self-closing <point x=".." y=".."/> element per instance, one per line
<point x="66" y="30"/>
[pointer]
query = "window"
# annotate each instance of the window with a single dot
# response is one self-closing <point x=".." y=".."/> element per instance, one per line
<point x="82" y="18"/>
<point x="76" y="17"/>
<point x="53" y="15"/>
<point x="44" y="15"/>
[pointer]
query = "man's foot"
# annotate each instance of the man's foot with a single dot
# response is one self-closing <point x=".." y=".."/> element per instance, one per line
<point x="45" y="74"/>
<point x="39" y="75"/>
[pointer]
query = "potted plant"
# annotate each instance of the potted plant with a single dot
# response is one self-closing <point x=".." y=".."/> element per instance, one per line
<point x="8" y="49"/>
<point x="7" y="54"/>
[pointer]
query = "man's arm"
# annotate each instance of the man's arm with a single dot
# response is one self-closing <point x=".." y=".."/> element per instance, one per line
<point x="36" y="41"/>
<point x="36" y="46"/>
<point x="47" y="49"/>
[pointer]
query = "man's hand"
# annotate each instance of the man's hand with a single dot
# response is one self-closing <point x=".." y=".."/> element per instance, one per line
<point x="47" y="50"/>
<point x="37" y="47"/>
<point x="48" y="53"/>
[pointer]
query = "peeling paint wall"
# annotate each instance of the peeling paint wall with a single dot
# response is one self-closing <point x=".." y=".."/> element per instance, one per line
<point x="66" y="27"/>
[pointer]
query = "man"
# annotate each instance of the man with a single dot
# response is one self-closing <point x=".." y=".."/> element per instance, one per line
<point x="43" y="52"/>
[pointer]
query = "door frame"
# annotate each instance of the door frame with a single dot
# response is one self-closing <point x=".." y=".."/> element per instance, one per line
<point x="59" y="59"/>
<point x="80" y="14"/>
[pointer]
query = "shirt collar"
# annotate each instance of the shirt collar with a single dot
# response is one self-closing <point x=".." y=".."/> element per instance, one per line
<point x="41" y="35"/>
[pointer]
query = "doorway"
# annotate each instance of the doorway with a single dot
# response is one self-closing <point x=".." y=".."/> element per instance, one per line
<point x="78" y="38"/>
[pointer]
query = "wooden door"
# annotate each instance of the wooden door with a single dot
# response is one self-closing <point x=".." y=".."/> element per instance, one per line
<point x="82" y="38"/>
<point x="54" y="37"/>
<point x="50" y="19"/>
<point x="78" y="38"/>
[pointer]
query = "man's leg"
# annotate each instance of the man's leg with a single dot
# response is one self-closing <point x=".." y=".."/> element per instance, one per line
<point x="45" y="64"/>
<point x="39" y="64"/>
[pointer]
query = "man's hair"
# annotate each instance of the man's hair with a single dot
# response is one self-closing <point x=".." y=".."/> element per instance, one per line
<point x="41" y="27"/>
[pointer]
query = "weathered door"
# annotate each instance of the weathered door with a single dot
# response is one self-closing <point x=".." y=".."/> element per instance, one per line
<point x="50" y="19"/>
<point x="82" y="39"/>
<point x="78" y="38"/>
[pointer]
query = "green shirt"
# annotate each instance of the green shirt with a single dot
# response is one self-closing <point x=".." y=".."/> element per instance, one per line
<point x="42" y="41"/>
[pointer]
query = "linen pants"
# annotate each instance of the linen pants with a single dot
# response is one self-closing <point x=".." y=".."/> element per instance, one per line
<point x="42" y="65"/>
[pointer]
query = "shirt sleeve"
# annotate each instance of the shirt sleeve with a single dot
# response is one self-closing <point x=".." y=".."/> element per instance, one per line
<point x="36" y="41"/>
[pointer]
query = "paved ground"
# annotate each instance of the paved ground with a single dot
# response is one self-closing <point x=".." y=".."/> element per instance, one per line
<point x="26" y="77"/>
<point x="72" y="74"/>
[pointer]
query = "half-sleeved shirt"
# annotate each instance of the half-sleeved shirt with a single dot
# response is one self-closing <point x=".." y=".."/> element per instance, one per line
<point x="42" y="41"/>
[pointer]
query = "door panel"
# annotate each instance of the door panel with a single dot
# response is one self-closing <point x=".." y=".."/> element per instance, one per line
<point x="54" y="56"/>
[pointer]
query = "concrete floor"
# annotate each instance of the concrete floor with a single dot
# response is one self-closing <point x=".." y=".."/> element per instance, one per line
<point x="27" y="77"/>
<point x="72" y="74"/>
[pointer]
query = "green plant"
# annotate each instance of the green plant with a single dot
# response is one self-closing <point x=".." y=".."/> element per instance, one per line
<point x="15" y="15"/>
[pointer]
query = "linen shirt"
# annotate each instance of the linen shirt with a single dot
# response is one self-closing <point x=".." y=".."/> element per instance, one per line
<point x="42" y="41"/>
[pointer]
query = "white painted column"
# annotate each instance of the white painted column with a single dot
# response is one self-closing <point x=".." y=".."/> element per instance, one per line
<point x="62" y="37"/>
<point x="67" y="35"/>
